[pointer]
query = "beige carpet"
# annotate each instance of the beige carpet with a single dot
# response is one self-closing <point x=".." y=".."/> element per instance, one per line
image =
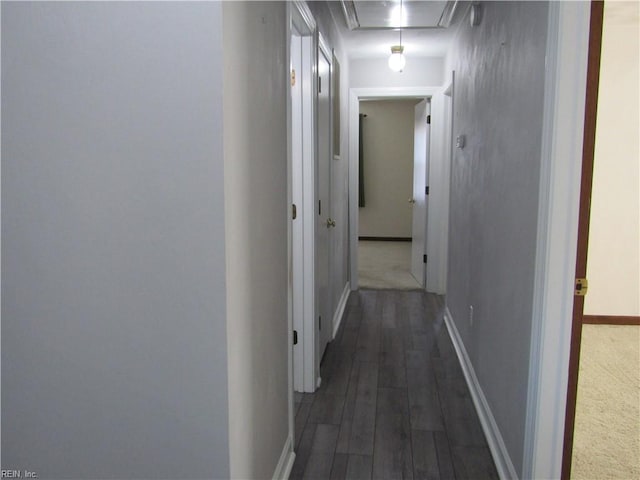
<point x="385" y="265"/>
<point x="607" y="430"/>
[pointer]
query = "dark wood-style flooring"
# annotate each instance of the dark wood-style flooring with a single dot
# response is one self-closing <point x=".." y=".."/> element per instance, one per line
<point x="393" y="401"/>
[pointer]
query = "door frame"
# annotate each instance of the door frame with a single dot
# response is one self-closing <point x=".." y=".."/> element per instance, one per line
<point x="302" y="268"/>
<point x="437" y="143"/>
<point x="590" y="117"/>
<point x="558" y="206"/>
<point x="440" y="173"/>
<point x="436" y="276"/>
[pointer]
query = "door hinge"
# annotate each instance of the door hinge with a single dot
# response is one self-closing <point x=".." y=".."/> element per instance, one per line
<point x="295" y="337"/>
<point x="319" y="323"/>
<point x="424" y="259"/>
<point x="319" y="207"/>
<point x="294" y="211"/>
<point x="426" y="190"/>
<point x="429" y="119"/>
<point x="293" y="78"/>
<point x="319" y="84"/>
<point x="582" y="285"/>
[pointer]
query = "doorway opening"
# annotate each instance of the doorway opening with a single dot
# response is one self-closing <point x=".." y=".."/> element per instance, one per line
<point x="393" y="160"/>
<point x="602" y="425"/>
<point x="436" y="177"/>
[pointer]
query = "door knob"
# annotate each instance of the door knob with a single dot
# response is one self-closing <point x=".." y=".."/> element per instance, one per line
<point x="412" y="201"/>
<point x="331" y="223"/>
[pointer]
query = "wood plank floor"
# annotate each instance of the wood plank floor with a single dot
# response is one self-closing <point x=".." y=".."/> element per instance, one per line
<point x="393" y="403"/>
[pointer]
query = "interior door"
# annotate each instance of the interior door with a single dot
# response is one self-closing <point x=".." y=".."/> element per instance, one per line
<point x="419" y="199"/>
<point x="588" y="151"/>
<point x="324" y="223"/>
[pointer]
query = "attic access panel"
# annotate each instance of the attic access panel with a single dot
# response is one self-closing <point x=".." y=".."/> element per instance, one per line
<point x="380" y="15"/>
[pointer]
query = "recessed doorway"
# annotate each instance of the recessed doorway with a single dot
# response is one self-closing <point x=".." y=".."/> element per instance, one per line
<point x="386" y="200"/>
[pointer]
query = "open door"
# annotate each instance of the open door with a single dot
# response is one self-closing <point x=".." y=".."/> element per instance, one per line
<point x="420" y="192"/>
<point x="591" y="103"/>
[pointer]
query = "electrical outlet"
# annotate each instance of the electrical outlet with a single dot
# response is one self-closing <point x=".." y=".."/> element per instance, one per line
<point x="471" y="315"/>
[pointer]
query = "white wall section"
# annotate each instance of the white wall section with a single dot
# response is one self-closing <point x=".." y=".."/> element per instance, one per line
<point x="114" y="358"/>
<point x="256" y="216"/>
<point x="613" y="261"/>
<point x="499" y="83"/>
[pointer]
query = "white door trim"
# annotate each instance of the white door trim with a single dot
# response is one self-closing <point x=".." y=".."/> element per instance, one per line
<point x="439" y="186"/>
<point x="442" y="235"/>
<point x="560" y="176"/>
<point x="303" y="264"/>
<point x="355" y="95"/>
<point x="308" y="211"/>
<point x="297" y="241"/>
<point x="287" y="451"/>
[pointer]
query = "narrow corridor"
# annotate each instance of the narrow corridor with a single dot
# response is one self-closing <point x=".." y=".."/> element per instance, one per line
<point x="393" y="401"/>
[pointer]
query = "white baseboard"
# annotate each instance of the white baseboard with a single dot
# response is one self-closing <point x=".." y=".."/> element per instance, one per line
<point x="285" y="464"/>
<point x="499" y="452"/>
<point x="337" y="317"/>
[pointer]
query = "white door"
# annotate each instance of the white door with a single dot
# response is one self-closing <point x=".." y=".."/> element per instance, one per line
<point x="438" y="163"/>
<point x="324" y="223"/>
<point x="420" y="194"/>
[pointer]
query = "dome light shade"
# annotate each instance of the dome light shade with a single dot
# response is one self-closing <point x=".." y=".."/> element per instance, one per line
<point x="397" y="60"/>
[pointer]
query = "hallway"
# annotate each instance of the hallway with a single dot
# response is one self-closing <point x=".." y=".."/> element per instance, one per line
<point x="393" y="401"/>
<point x="170" y="253"/>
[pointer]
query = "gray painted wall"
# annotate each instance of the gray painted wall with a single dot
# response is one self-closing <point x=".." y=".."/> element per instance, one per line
<point x="256" y="215"/>
<point x="498" y="95"/>
<point x="375" y="72"/>
<point x="114" y="360"/>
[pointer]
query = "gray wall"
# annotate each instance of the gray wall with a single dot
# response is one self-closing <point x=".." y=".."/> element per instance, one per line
<point x="114" y="361"/>
<point x="498" y="95"/>
<point x="256" y="215"/>
<point x="387" y="138"/>
<point x="375" y="72"/>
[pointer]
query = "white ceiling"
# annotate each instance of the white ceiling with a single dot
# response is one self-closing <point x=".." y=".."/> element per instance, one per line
<point x="368" y="42"/>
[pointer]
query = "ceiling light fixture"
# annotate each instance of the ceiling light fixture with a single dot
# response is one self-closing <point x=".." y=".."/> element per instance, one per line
<point x="397" y="60"/>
